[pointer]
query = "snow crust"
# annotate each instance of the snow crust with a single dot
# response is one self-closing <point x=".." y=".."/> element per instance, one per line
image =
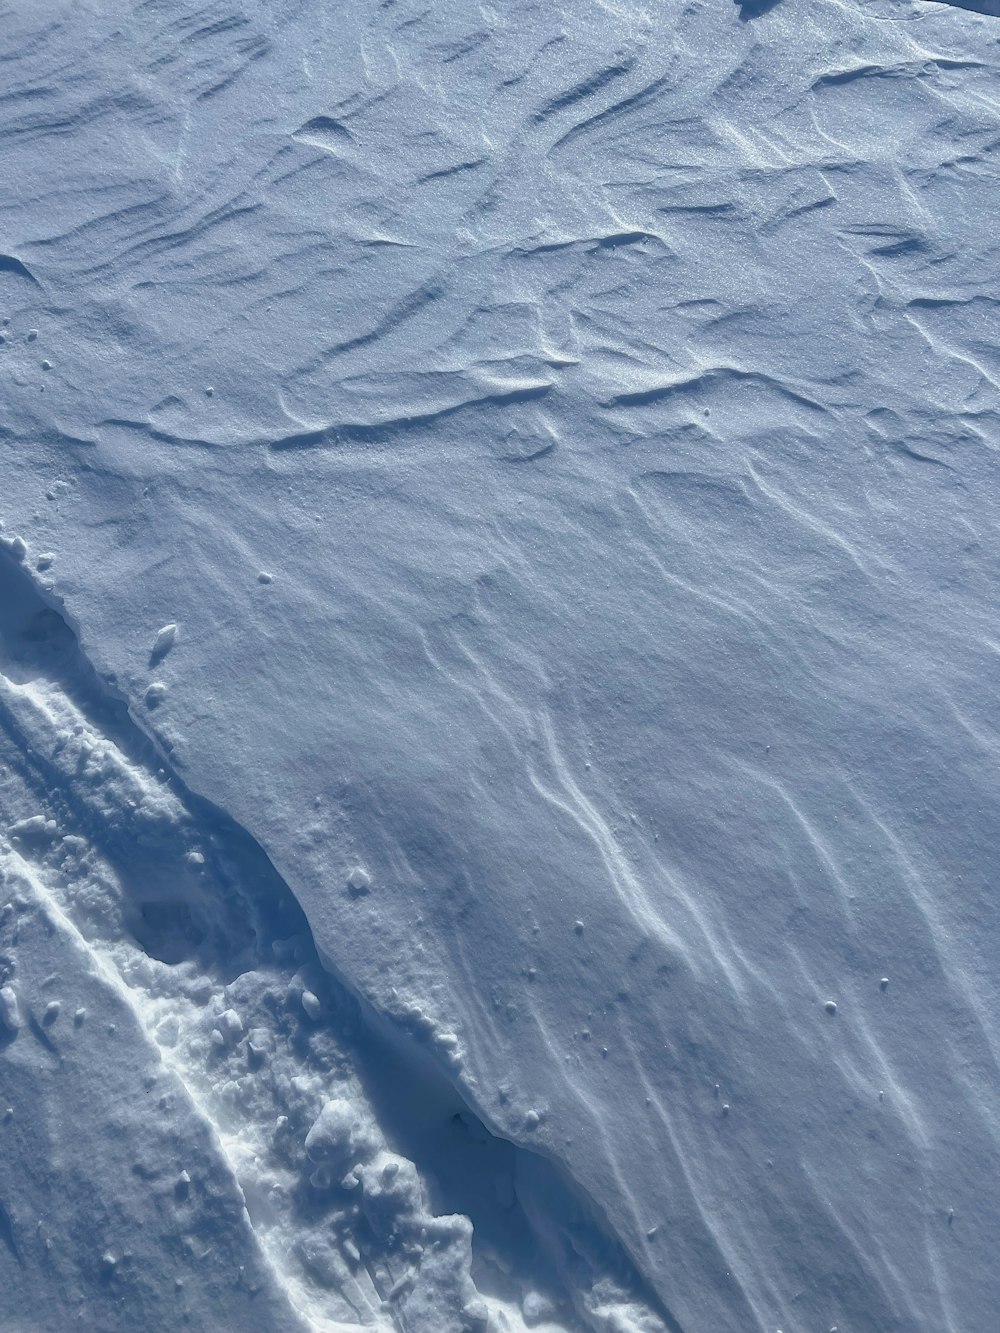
<point x="513" y="491"/>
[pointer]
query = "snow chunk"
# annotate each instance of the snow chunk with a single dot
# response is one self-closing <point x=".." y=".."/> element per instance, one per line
<point x="359" y="882"/>
<point x="164" y="642"/>
<point x="36" y="829"/>
<point x="10" y="1013"/>
<point x="535" y="1308"/>
<point x="476" y="1315"/>
<point x="229" y="1026"/>
<point x="337" y="1137"/>
<point x="16" y="546"/>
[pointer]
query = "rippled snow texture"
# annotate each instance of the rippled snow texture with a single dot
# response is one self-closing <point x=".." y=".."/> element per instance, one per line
<point x="560" y="441"/>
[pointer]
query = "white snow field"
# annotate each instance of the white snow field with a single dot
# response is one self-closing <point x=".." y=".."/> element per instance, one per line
<point x="499" y="666"/>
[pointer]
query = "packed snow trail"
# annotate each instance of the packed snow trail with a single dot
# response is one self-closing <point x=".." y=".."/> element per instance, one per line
<point x="188" y="924"/>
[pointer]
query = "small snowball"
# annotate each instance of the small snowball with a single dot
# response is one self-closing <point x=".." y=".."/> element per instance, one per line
<point x="79" y="1017"/>
<point x="156" y="693"/>
<point x="578" y="927"/>
<point x="46" y="365"/>
<point x="16" y="546"/>
<point x="265" y="577"/>
<point x="195" y="859"/>
<point x="532" y="1120"/>
<point x="830" y="1007"/>
<point x="10" y="1013"/>
<point x="51" y="1012"/>
<point x="884" y="983"/>
<point x="44" y="561"/>
<point x="311" y="1004"/>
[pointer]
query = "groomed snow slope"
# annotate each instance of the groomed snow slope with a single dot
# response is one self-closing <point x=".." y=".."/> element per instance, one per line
<point x="530" y="471"/>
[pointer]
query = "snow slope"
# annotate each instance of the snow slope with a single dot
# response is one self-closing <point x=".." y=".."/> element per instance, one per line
<point x="529" y="472"/>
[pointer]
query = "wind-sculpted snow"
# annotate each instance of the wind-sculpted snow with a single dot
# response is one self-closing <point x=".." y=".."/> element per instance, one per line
<point x="533" y="468"/>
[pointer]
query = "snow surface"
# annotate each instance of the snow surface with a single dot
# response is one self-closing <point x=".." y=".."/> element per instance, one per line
<point x="498" y="672"/>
